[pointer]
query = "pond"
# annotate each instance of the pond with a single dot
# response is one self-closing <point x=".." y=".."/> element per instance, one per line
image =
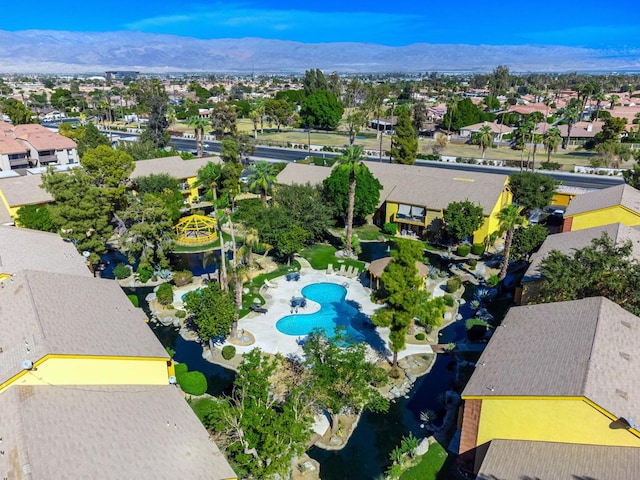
<point x="375" y="250"/>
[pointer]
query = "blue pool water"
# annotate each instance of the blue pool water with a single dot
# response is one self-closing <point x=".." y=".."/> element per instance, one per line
<point x="335" y="312"/>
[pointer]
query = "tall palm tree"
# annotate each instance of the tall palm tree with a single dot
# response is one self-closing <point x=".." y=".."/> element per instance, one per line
<point x="509" y="218"/>
<point x="198" y="124"/>
<point x="599" y="98"/>
<point x="262" y="178"/>
<point x="485" y="138"/>
<point x="571" y="113"/>
<point x="452" y="108"/>
<point x="351" y="158"/>
<point x="208" y="177"/>
<point x="551" y="140"/>
<point x="612" y="101"/>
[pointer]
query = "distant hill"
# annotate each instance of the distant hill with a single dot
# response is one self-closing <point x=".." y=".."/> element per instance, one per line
<point x="45" y="51"/>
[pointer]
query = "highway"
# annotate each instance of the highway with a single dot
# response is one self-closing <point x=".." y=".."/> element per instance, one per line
<point x="291" y="155"/>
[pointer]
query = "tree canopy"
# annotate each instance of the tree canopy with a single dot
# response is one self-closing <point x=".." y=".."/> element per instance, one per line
<point x="527" y="240"/>
<point x="212" y="311"/>
<point x="461" y="219"/>
<point x="321" y="110"/>
<point x="404" y="145"/>
<point x="600" y="269"/>
<point x="367" y="196"/>
<point x="17" y="112"/>
<point x="465" y="113"/>
<point x="532" y="190"/>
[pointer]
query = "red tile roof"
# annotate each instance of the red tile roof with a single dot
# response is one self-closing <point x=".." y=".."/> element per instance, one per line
<point x="41" y="138"/>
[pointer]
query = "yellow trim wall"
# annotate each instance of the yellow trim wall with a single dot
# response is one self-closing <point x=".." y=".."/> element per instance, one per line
<point x="12" y="210"/>
<point x="194" y="195"/>
<point x="550" y="419"/>
<point x="79" y="370"/>
<point x="605" y="216"/>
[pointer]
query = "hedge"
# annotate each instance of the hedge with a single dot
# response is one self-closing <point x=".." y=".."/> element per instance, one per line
<point x="193" y="383"/>
<point x="228" y="352"/>
<point x="478" y="248"/>
<point x="420" y="336"/>
<point x="390" y="228"/>
<point x="463" y="250"/>
<point x="453" y="284"/>
<point x="449" y="301"/>
<point x="164" y="294"/>
<point x="181" y="368"/>
<point x="121" y="271"/>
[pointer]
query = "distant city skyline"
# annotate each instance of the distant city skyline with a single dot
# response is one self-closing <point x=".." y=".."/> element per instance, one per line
<point x="573" y="23"/>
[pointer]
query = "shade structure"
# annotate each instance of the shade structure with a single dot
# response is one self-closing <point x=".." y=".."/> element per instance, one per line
<point x="196" y="230"/>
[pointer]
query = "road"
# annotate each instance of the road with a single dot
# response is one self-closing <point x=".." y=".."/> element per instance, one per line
<point x="291" y="155"/>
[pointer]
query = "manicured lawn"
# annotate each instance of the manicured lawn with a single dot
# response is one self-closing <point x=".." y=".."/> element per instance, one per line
<point x="320" y="256"/>
<point x="429" y="465"/>
<point x="202" y="407"/>
<point x="369" y="232"/>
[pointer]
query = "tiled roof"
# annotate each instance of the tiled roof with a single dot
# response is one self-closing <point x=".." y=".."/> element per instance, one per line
<point x="9" y="146"/>
<point x="43" y="139"/>
<point x="569" y="241"/>
<point x="24" y="249"/>
<point x="495" y="127"/>
<point x="377" y="267"/>
<point x="582" y="348"/>
<point x="298" y="173"/>
<point x="622" y="194"/>
<point x="581" y="129"/>
<point x="106" y="432"/>
<point x="174" y="166"/>
<point x="53" y="313"/>
<point x="435" y="188"/>
<point x="24" y="190"/>
<point x="520" y="459"/>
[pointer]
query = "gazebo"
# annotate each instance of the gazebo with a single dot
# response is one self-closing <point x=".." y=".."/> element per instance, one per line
<point x="196" y="230"/>
<point x="377" y="267"/>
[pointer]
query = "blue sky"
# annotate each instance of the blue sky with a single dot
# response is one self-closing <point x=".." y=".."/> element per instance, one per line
<point x="584" y="23"/>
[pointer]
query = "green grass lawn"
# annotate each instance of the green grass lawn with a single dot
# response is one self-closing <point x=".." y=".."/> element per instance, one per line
<point x="429" y="465"/>
<point x="320" y="256"/>
<point x="369" y="232"/>
<point x="202" y="407"/>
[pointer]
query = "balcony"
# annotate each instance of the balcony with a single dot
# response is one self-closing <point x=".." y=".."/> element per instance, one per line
<point x="412" y="214"/>
<point x="47" y="159"/>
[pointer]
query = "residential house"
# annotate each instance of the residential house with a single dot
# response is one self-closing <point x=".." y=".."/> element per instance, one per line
<point x="568" y="242"/>
<point x="184" y="170"/>
<point x="498" y="130"/>
<point x="45" y="147"/>
<point x="13" y="154"/>
<point x="602" y="207"/>
<point x="83" y="376"/>
<point x="580" y="132"/>
<point x="18" y="191"/>
<point x="562" y="372"/>
<point x="415" y="197"/>
<point x="521" y="459"/>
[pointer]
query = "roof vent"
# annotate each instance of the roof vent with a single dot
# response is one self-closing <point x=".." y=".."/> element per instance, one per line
<point x="626" y="356"/>
<point x="625" y="324"/>
<point x="622" y="394"/>
<point x="27" y="365"/>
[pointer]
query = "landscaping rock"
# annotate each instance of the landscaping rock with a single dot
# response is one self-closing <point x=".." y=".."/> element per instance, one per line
<point x="423" y="447"/>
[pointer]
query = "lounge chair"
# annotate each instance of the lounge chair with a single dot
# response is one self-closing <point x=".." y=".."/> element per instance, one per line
<point x="355" y="273"/>
<point x="342" y="270"/>
<point x="295" y="276"/>
<point x="351" y="272"/>
<point x="258" y="309"/>
<point x="330" y="269"/>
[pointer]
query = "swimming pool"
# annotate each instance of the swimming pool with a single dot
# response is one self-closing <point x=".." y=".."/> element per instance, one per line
<point x="334" y="312"/>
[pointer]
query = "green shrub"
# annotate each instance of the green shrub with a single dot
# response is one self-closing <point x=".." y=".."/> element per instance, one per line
<point x="478" y="248"/>
<point x="193" y="383"/>
<point x="453" y="284"/>
<point x="134" y="300"/>
<point x="493" y="280"/>
<point x="390" y="228"/>
<point x="164" y="294"/>
<point x="228" y="352"/>
<point x="181" y="369"/>
<point x="449" y="301"/>
<point x="463" y="250"/>
<point x="472" y="262"/>
<point x="182" y="278"/>
<point x="144" y="274"/>
<point x="475" y="322"/>
<point x="420" y="336"/>
<point x="170" y="351"/>
<point x="122" y="271"/>
<point x="181" y="314"/>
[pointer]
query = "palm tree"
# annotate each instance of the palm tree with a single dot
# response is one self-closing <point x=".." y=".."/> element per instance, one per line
<point x="208" y="176"/>
<point x="571" y="113"/>
<point x="262" y="178"/>
<point x="351" y="158"/>
<point x="551" y="140"/>
<point x="452" y="108"/>
<point x="599" y="98"/>
<point x="612" y="101"/>
<point x="485" y="138"/>
<point x="198" y="124"/>
<point x="509" y="218"/>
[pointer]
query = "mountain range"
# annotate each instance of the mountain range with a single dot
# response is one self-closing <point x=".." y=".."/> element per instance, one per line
<point x="49" y="51"/>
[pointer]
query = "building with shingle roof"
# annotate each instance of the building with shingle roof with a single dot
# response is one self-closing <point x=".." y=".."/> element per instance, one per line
<point x="561" y="372"/>
<point x="518" y="460"/>
<point x="24" y="249"/>
<point x="569" y="242"/>
<point x="19" y="191"/>
<point x="184" y="170"/>
<point x="33" y="145"/>
<point x="415" y="197"/>
<point x="107" y="432"/>
<point x="602" y="207"/>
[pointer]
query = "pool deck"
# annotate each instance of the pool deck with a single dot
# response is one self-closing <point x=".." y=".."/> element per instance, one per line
<point x="269" y="339"/>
